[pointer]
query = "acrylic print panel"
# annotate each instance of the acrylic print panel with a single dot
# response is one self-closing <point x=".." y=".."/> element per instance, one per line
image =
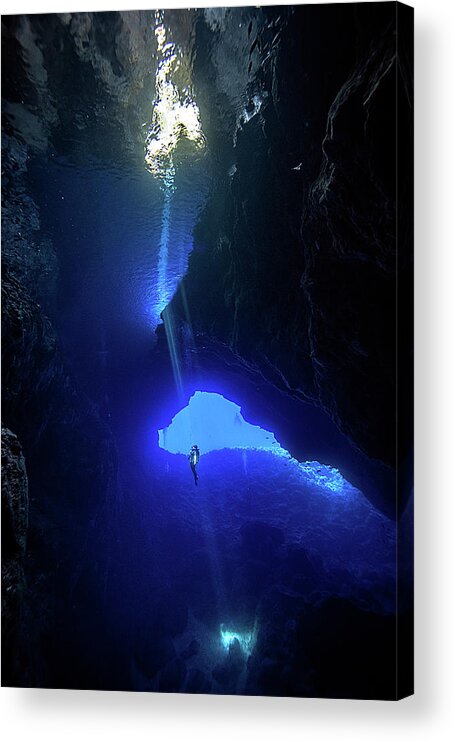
<point x="207" y="350"/>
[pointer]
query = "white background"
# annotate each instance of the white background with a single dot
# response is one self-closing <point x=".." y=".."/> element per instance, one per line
<point x="75" y="715"/>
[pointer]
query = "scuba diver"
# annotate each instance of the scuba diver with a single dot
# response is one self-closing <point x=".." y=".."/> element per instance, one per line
<point x="193" y="458"/>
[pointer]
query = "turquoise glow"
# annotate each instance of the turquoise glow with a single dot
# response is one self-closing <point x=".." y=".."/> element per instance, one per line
<point x="246" y="640"/>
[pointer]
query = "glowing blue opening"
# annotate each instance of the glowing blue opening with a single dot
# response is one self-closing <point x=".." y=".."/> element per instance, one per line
<point x="246" y="640"/>
<point x="213" y="423"/>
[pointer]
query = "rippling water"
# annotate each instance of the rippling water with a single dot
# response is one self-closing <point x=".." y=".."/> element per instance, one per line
<point x="119" y="218"/>
<point x="113" y="116"/>
<point x="107" y="225"/>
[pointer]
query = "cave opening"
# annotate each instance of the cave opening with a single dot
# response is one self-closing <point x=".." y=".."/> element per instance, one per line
<point x="148" y="309"/>
<point x="216" y="424"/>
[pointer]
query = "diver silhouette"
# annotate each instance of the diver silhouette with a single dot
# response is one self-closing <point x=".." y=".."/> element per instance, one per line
<point x="193" y="458"/>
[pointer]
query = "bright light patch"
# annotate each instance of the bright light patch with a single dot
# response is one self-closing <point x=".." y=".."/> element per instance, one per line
<point x="246" y="640"/>
<point x="175" y="117"/>
<point x="324" y="476"/>
<point x="214" y="422"/>
<point x="175" y="113"/>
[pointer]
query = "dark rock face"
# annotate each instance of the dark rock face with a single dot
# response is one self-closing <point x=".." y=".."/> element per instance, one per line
<point x="333" y="649"/>
<point x="348" y="231"/>
<point x="42" y="399"/>
<point x="25" y="250"/>
<point x="300" y="257"/>
<point x="70" y="458"/>
<point x="14" y="537"/>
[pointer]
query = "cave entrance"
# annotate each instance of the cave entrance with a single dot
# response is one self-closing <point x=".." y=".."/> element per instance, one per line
<point x="214" y="423"/>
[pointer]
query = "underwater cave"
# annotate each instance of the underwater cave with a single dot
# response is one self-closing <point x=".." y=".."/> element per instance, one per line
<point x="179" y="269"/>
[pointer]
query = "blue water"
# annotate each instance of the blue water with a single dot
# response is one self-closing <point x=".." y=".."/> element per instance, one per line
<point x="341" y="527"/>
<point x="259" y="539"/>
<point x="128" y="243"/>
<point x="173" y="586"/>
<point x="344" y="547"/>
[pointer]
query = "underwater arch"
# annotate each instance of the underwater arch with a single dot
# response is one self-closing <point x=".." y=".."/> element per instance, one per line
<point x="214" y="423"/>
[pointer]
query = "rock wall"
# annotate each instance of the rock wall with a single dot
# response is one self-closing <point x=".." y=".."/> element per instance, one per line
<point x="296" y="264"/>
<point x="59" y="465"/>
<point x="14" y="539"/>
